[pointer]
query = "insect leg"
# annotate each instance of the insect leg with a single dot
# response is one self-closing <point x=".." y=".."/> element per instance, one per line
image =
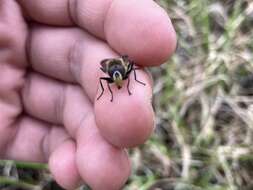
<point x="108" y="80"/>
<point x="100" y="81"/>
<point x="110" y="91"/>
<point x="135" y="76"/>
<point x="128" y="82"/>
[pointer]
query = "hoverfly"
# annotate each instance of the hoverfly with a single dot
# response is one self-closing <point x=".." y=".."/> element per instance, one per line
<point x="118" y="70"/>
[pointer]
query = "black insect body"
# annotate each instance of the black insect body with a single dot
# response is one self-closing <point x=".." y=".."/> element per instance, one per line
<point x="118" y="70"/>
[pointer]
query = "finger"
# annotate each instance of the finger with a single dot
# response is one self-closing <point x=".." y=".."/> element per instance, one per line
<point x="128" y="120"/>
<point x="56" y="102"/>
<point x="13" y="33"/>
<point x="62" y="164"/>
<point x="10" y="103"/>
<point x="48" y="142"/>
<point x="140" y="29"/>
<point x="96" y="157"/>
<point x="21" y="148"/>
<point x="85" y="60"/>
<point x="87" y="14"/>
<point x="146" y="34"/>
<point x="12" y="63"/>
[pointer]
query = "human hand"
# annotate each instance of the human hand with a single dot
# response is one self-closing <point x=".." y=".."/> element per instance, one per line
<point x="49" y="80"/>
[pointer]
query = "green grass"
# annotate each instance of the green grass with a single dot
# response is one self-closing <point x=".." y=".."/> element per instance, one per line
<point x="203" y="104"/>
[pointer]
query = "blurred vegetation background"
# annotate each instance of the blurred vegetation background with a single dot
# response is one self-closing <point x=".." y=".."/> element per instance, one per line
<point x="203" y="99"/>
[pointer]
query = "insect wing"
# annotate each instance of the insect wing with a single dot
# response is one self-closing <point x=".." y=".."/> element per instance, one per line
<point x="105" y="64"/>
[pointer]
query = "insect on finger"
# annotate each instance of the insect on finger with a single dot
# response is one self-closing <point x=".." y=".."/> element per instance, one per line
<point x="118" y="70"/>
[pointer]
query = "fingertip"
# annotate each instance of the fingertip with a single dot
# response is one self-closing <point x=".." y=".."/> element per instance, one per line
<point x="128" y="121"/>
<point x="103" y="172"/>
<point x="142" y="30"/>
<point x="101" y="165"/>
<point x="63" y="167"/>
<point x="126" y="130"/>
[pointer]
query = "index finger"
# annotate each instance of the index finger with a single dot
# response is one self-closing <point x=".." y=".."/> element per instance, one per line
<point x="128" y="119"/>
<point x="140" y="28"/>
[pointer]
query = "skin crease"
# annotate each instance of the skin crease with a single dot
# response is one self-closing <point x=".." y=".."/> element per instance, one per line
<point x="49" y="71"/>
